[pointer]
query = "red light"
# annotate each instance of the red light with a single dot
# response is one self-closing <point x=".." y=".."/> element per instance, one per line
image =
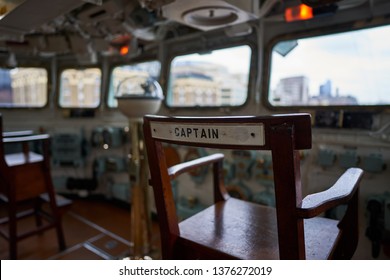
<point x="301" y="12"/>
<point x="124" y="50"/>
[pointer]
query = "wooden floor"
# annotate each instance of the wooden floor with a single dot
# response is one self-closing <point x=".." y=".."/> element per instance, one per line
<point x="94" y="229"/>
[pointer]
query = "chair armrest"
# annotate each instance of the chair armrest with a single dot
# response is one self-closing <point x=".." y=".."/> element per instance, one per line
<point x="220" y="192"/>
<point x="181" y="168"/>
<point x="340" y="193"/>
<point x="21" y="139"/>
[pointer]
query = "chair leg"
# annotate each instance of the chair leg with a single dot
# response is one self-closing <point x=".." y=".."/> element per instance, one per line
<point x="37" y="211"/>
<point x="57" y="219"/>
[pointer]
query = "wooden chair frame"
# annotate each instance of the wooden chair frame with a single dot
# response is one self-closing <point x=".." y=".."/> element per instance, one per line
<point x="25" y="178"/>
<point x="284" y="135"/>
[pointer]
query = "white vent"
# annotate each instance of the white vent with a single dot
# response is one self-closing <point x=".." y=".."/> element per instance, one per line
<point x="207" y="15"/>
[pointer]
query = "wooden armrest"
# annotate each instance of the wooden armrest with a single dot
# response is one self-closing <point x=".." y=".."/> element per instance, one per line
<point x="181" y="168"/>
<point x="17" y="133"/>
<point x="38" y="137"/>
<point x="340" y="193"/>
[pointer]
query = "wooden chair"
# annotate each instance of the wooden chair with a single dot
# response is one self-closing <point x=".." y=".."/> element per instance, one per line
<point x="26" y="188"/>
<point x="238" y="229"/>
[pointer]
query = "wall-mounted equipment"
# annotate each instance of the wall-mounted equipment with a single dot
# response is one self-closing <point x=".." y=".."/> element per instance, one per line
<point x="266" y="197"/>
<point x="228" y="171"/>
<point x="348" y="159"/>
<point x="239" y="190"/>
<point x="326" y="158"/>
<point x="69" y="149"/>
<point x="105" y="164"/>
<point x="262" y="169"/>
<point x="120" y="191"/>
<point x="263" y="174"/>
<point x="188" y="206"/>
<point x="108" y="137"/>
<point x="373" y="163"/>
<point x="344" y="119"/>
<point x="243" y="162"/>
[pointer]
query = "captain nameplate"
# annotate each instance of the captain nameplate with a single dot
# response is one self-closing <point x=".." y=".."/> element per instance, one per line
<point x="230" y="134"/>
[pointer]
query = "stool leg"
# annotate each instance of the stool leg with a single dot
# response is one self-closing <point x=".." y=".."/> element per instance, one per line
<point x="57" y="219"/>
<point x="13" y="239"/>
<point x="37" y="212"/>
<point x="60" y="235"/>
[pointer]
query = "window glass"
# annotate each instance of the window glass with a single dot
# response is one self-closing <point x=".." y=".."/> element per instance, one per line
<point x="140" y="71"/>
<point x="80" y="88"/>
<point x="345" y="69"/>
<point x="23" y="87"/>
<point x="215" y="78"/>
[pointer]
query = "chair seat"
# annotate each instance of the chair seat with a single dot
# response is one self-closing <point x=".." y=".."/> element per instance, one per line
<point x="20" y="158"/>
<point x="228" y="228"/>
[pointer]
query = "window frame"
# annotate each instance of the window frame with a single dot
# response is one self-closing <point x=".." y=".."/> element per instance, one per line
<point x="48" y="88"/>
<point x="129" y="63"/>
<point x="251" y="76"/>
<point x="68" y="67"/>
<point x="334" y="30"/>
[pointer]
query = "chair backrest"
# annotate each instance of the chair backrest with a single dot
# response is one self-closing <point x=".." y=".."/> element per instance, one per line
<point x="283" y="135"/>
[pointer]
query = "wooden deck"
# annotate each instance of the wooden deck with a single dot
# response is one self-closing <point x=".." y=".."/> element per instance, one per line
<point x="94" y="229"/>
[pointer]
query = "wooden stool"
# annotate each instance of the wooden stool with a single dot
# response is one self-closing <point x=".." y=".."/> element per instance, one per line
<point x="25" y="180"/>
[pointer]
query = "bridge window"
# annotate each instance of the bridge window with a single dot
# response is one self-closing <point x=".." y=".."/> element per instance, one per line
<point x="80" y="88"/>
<point x="213" y="79"/>
<point x="140" y="71"/>
<point x="344" y="69"/>
<point x="23" y="87"/>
